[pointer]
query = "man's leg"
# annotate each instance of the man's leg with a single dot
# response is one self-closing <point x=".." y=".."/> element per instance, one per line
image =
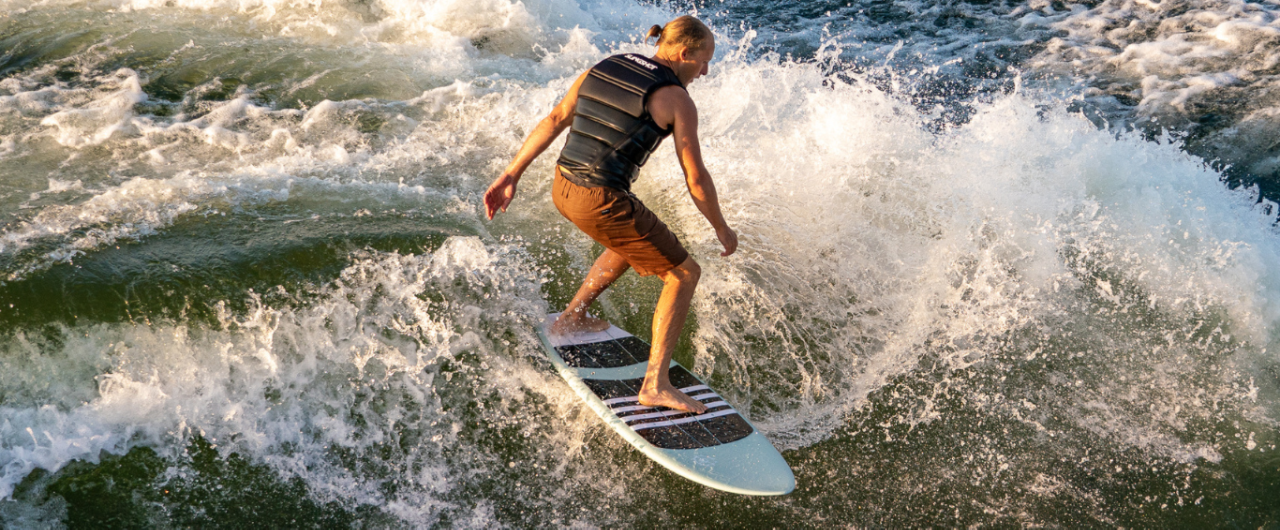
<point x="607" y="268"/>
<point x="668" y="322"/>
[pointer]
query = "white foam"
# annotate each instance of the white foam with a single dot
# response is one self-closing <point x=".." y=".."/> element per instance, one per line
<point x="1165" y="54"/>
<point x="868" y="243"/>
<point x="103" y="117"/>
<point x="455" y="30"/>
<point x="862" y="233"/>
<point x="216" y="151"/>
<point x="282" y="385"/>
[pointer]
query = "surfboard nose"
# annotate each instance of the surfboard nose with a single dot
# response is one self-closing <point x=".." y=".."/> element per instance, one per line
<point x="750" y="466"/>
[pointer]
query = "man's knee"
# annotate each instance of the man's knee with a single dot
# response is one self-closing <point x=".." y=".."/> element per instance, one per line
<point x="687" y="272"/>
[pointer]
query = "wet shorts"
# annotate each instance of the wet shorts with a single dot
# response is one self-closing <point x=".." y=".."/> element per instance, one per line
<point x="620" y="222"/>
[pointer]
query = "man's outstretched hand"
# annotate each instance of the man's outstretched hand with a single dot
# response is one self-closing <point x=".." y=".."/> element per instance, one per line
<point x="729" y="239"/>
<point x="499" y="195"/>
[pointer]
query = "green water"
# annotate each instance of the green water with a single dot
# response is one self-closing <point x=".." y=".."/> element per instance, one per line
<point x="245" y="281"/>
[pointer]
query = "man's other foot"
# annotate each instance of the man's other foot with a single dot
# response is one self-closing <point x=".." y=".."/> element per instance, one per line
<point x="668" y="396"/>
<point x="568" y="324"/>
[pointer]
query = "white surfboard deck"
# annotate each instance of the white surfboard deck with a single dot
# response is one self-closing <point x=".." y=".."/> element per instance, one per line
<point x="718" y="449"/>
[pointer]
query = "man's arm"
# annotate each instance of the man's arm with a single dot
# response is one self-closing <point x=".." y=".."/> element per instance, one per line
<point x="503" y="189"/>
<point x="674" y="103"/>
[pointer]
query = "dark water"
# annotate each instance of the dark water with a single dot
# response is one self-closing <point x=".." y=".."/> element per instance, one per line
<point x="1002" y="264"/>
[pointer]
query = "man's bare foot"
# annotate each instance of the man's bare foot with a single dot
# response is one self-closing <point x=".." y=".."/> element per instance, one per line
<point x="569" y="324"/>
<point x="670" y="397"/>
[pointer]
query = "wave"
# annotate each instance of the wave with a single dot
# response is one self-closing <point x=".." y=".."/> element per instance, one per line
<point x="1021" y="267"/>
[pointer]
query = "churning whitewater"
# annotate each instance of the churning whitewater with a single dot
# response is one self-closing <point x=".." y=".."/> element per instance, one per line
<point x="1000" y="263"/>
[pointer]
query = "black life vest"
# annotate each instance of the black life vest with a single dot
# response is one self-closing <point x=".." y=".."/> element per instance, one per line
<point x="612" y="134"/>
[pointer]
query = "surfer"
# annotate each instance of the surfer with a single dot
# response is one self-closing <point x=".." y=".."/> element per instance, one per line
<point x="617" y="113"/>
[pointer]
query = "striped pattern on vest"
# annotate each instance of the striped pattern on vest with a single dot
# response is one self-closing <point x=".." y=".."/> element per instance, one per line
<point x="612" y="134"/>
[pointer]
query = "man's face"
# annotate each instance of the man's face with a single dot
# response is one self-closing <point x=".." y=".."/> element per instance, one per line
<point x="694" y="63"/>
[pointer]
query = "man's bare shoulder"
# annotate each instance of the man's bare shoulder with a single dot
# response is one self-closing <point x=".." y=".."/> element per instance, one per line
<point x="673" y="95"/>
<point x="667" y="102"/>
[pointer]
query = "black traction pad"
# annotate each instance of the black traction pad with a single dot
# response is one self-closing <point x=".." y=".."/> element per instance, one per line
<point x="608" y="354"/>
<point x="669" y="429"/>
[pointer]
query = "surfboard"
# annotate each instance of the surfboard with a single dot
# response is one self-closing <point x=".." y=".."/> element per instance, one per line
<point x="719" y="449"/>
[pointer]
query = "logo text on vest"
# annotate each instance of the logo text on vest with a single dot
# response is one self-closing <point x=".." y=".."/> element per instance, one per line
<point x="641" y="62"/>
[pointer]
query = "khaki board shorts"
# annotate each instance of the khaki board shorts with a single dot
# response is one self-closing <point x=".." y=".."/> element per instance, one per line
<point x="620" y="222"/>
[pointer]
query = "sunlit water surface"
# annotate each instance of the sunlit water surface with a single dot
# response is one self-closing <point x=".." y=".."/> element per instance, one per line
<point x="1001" y="264"/>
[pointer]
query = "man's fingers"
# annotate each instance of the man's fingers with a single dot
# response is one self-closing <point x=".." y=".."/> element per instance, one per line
<point x="730" y="242"/>
<point x="498" y="197"/>
<point x="488" y="205"/>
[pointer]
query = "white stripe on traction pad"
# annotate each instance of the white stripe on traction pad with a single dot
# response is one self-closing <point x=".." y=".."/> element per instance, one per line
<point x="626" y="399"/>
<point x="668" y="423"/>
<point x="699" y="397"/>
<point x="620" y="410"/>
<point x="666" y="413"/>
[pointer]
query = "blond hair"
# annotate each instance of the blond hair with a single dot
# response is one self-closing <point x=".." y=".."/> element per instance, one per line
<point x="684" y="31"/>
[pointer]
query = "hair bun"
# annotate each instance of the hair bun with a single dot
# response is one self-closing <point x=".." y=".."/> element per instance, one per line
<point x="682" y="32"/>
<point x="655" y="32"/>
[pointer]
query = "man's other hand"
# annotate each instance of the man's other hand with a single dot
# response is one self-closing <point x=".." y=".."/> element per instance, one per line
<point x="729" y="239"/>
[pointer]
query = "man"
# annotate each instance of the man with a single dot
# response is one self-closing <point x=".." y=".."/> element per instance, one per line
<point x="618" y="112"/>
